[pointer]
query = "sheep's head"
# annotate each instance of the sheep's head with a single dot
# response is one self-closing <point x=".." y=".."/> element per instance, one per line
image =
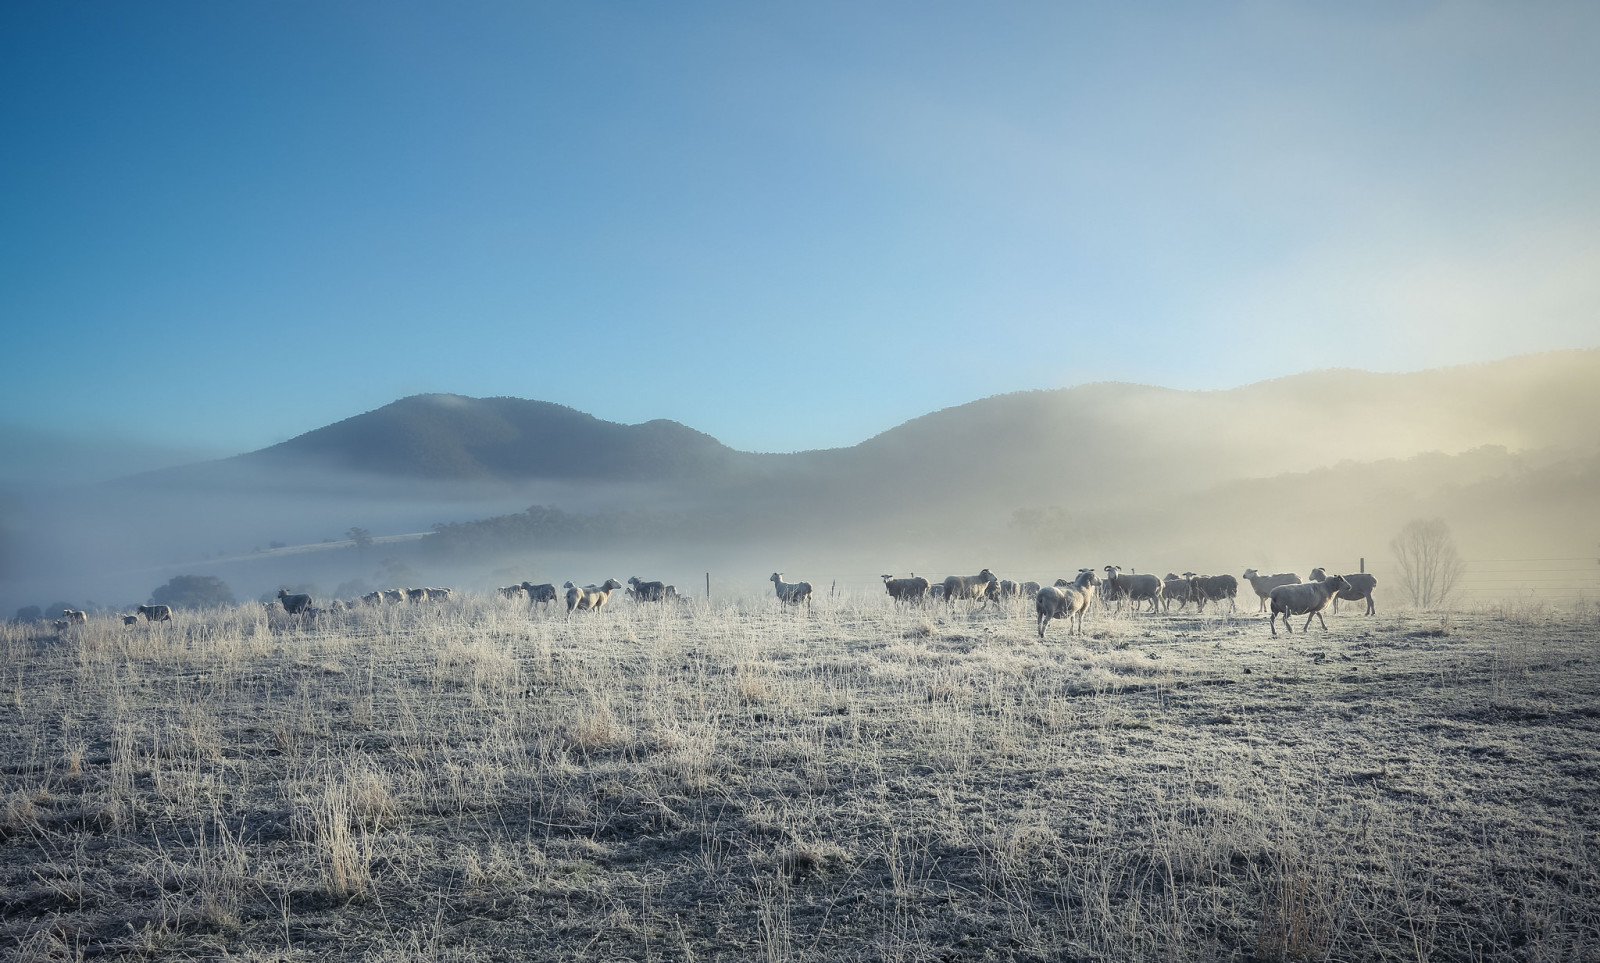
<point x="1318" y="574"/>
<point x="776" y="577"/>
<point x="1336" y="583"/>
<point x="1250" y="573"/>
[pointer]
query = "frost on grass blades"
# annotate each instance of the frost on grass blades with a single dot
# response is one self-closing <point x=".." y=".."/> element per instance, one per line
<point x="732" y="781"/>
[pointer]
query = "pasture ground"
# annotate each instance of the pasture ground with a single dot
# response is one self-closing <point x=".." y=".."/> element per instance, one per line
<point x="728" y="781"/>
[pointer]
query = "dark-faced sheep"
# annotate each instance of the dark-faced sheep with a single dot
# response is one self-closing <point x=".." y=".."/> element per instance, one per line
<point x="791" y="593"/>
<point x="1361" y="586"/>
<point x="907" y="590"/>
<point x="162" y="613"/>
<point x="590" y="597"/>
<point x="1308" y="599"/>
<point x="130" y="620"/>
<point x="1264" y="584"/>
<point x="294" y="604"/>
<point x="1066" y="600"/>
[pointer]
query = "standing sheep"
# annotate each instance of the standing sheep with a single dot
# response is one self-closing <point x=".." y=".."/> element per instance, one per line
<point x="1361" y="586"/>
<point x="1066" y="600"/>
<point x="647" y="591"/>
<point x="981" y="586"/>
<point x="1177" y="588"/>
<point x="293" y="604"/>
<point x="543" y="593"/>
<point x="159" y="613"/>
<point x="907" y="590"/>
<point x="1137" y="589"/>
<point x="791" y="593"/>
<point x="1308" y="599"/>
<point x="590" y="596"/>
<point x="1215" y="588"/>
<point x="77" y="616"/>
<point x="1264" y="584"/>
<point x="130" y="620"/>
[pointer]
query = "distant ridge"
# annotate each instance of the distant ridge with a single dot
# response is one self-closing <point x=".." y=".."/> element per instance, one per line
<point x="453" y="437"/>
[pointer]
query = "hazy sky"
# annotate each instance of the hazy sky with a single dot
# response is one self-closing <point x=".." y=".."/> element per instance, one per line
<point x="228" y="223"/>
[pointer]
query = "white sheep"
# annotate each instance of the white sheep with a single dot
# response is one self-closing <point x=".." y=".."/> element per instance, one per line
<point x="1308" y="599"/>
<point x="1066" y="600"/>
<point x="76" y="616"/>
<point x="438" y="594"/>
<point x="1361" y="586"/>
<point x="1215" y="588"/>
<point x="590" y="597"/>
<point x="1264" y="584"/>
<point x="906" y="590"/>
<point x="161" y="613"/>
<point x="791" y="593"/>
<point x="1137" y="589"/>
<point x="981" y="586"/>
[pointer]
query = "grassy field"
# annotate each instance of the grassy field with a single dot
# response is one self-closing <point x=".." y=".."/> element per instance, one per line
<point x="733" y="782"/>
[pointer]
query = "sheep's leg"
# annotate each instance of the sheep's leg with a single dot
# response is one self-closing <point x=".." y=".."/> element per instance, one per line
<point x="1370" y="607"/>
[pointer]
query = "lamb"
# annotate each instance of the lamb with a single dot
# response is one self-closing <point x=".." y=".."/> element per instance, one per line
<point x="791" y="593"/>
<point x="647" y="591"/>
<point x="513" y="592"/>
<point x="1264" y="584"/>
<point x="543" y="593"/>
<point x="1308" y="599"/>
<point x="60" y="625"/>
<point x="971" y="587"/>
<point x="1137" y="589"/>
<point x="906" y="590"/>
<point x="590" y="596"/>
<point x="1361" y="586"/>
<point x="1066" y="600"/>
<point x="163" y="613"/>
<point x="1215" y="588"/>
<point x="75" y="615"/>
<point x="293" y="604"/>
<point x="130" y="620"/>
<point x="1177" y="588"/>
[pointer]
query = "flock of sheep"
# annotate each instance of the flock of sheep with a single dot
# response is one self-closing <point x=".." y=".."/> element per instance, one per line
<point x="1284" y="592"/>
<point x="1066" y="600"/>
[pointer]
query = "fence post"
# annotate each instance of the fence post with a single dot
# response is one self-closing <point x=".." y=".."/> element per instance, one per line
<point x="1363" y="563"/>
<point x="708" y="586"/>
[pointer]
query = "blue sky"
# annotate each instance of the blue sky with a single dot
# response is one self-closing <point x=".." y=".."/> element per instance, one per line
<point x="791" y="227"/>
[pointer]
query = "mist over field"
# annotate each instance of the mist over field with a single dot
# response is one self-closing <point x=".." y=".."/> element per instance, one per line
<point x="1317" y="469"/>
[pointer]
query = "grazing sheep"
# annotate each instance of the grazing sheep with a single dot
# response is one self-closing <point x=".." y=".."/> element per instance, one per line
<point x="1215" y="588"/>
<point x="1008" y="589"/>
<point x="1264" y="584"/>
<point x="1030" y="590"/>
<point x="1361" y="586"/>
<point x="590" y="596"/>
<point x="372" y="598"/>
<point x="936" y="590"/>
<point x="1066" y="600"/>
<point x="439" y="594"/>
<point x="1137" y="589"/>
<point x="1308" y="599"/>
<point x="294" y="604"/>
<point x="907" y="590"/>
<point x="1177" y="588"/>
<point x="513" y="592"/>
<point x="130" y="620"/>
<point x="543" y="594"/>
<point x="75" y="615"/>
<point x="971" y="587"/>
<point x="791" y="593"/>
<point x="393" y="596"/>
<point x="416" y="594"/>
<point x="647" y="591"/>
<point x="163" y="613"/>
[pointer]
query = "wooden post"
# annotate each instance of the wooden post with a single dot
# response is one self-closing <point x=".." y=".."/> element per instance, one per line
<point x="708" y="585"/>
<point x="1363" y="563"/>
<point x="832" y="587"/>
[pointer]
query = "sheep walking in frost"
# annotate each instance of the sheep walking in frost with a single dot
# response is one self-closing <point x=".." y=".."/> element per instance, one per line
<point x="1308" y="599"/>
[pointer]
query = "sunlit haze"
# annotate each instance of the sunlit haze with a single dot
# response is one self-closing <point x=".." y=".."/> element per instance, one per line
<point x="790" y="228"/>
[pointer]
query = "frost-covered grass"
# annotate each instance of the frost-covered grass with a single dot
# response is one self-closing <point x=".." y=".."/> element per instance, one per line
<point x="476" y="780"/>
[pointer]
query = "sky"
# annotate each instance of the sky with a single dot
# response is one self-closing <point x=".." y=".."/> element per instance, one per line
<point x="789" y="226"/>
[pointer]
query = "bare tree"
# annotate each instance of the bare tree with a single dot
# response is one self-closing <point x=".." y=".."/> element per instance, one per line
<point x="1430" y="564"/>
